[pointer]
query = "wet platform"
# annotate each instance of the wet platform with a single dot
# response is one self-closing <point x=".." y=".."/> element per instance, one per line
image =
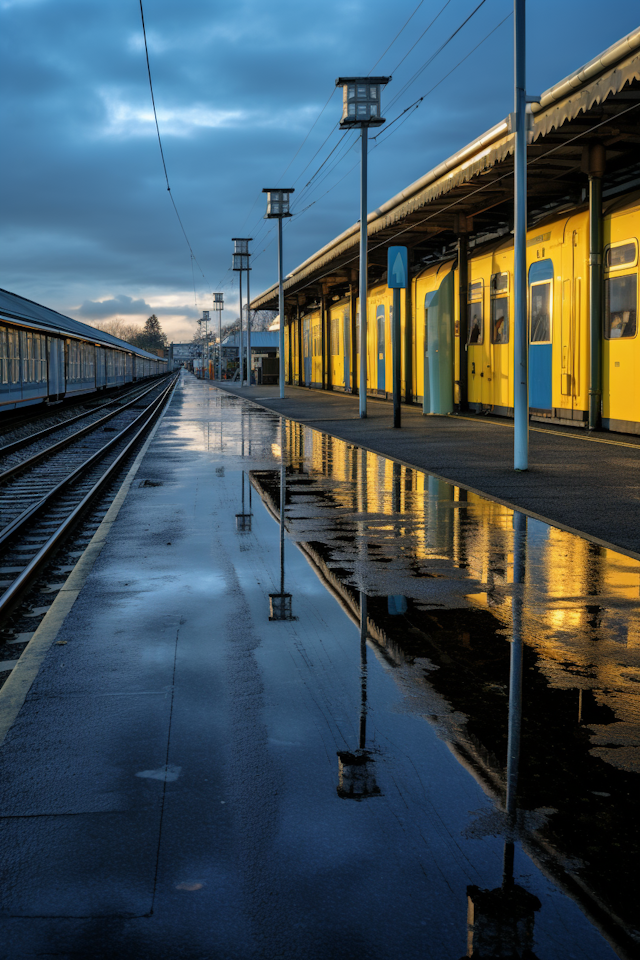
<point x="586" y="482"/>
<point x="403" y="723"/>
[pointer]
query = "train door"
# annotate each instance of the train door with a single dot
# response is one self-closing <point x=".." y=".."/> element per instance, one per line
<point x="430" y="304"/>
<point x="476" y="343"/>
<point x="499" y="323"/>
<point x="306" y="350"/>
<point x="570" y="331"/>
<point x="101" y="369"/>
<point x="439" y="340"/>
<point x="55" y="357"/>
<point x="346" y="353"/>
<point x="620" y="360"/>
<point x="540" y="334"/>
<point x="381" y="325"/>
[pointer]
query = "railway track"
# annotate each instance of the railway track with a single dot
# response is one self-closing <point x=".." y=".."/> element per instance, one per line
<point x="52" y="501"/>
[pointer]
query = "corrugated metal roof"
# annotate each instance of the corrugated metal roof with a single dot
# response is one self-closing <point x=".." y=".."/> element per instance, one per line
<point x="14" y="307"/>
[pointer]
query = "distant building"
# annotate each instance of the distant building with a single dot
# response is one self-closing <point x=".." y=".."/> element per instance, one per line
<point x="264" y="353"/>
<point x="183" y="353"/>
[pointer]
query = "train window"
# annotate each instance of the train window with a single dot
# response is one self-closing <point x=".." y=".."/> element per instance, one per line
<point x="500" y="320"/>
<point x="541" y="312"/>
<point x="335" y="337"/>
<point x="475" y="321"/>
<point x="4" y="356"/>
<point x="499" y="282"/>
<point x="475" y="290"/>
<point x="13" y="344"/>
<point x="620" y="307"/>
<point x="317" y="340"/>
<point x="621" y="255"/>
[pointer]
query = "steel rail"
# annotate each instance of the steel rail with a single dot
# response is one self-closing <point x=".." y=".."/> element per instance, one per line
<point x="34" y="437"/>
<point x="14" y="525"/>
<point x="23" y="579"/>
<point x="67" y="441"/>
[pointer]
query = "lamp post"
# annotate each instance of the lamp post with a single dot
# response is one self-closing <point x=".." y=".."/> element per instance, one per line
<point x="205" y="320"/>
<point x="361" y="108"/>
<point x="241" y="262"/>
<point x="218" y="306"/>
<point x="277" y="208"/>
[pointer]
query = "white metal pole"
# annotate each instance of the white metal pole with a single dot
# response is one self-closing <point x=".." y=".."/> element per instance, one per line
<point x="219" y="344"/>
<point x="248" y="324"/>
<point x="240" y="348"/>
<point x="362" y="392"/>
<point x="520" y="338"/>
<point x="281" y="308"/>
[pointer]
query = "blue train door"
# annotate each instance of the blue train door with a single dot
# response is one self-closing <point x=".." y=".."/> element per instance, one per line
<point x="346" y="340"/>
<point x="540" y="334"/>
<point x="306" y="350"/>
<point x="381" y="338"/>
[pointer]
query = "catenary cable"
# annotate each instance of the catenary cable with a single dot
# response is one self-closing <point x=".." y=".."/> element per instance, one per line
<point x="164" y="165"/>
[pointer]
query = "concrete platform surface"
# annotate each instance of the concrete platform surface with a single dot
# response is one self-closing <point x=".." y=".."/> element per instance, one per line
<point x="189" y="778"/>
<point x="590" y="483"/>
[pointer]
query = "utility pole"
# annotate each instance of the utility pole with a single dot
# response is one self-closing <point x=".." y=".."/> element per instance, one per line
<point x="278" y="208"/>
<point x="520" y="337"/>
<point x="361" y="108"/>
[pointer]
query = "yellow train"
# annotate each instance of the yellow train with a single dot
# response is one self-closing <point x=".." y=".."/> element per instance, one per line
<point x="558" y="320"/>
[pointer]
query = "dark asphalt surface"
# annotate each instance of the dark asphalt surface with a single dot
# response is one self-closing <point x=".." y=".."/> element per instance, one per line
<point x="590" y="486"/>
<point x="169" y="789"/>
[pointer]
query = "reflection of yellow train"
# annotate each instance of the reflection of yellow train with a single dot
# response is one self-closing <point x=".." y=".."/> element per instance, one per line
<point x="558" y="315"/>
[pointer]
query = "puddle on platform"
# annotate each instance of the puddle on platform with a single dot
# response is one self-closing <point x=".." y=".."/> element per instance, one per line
<point x="517" y="642"/>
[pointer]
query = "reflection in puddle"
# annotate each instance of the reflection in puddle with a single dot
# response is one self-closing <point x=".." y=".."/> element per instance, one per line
<point x="505" y="621"/>
<point x="517" y="642"/>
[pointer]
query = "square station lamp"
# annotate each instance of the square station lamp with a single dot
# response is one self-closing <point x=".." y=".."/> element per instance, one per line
<point x="361" y="101"/>
<point x="277" y="202"/>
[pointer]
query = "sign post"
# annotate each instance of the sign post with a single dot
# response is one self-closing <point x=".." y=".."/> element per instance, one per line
<point x="397" y="280"/>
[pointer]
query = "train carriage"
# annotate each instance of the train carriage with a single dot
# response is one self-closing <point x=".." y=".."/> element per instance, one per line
<point x="45" y="356"/>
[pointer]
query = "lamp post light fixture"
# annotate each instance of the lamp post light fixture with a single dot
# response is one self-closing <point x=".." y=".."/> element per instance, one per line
<point x="277" y="209"/>
<point x="361" y="107"/>
<point x="218" y="306"/>
<point x="241" y="262"/>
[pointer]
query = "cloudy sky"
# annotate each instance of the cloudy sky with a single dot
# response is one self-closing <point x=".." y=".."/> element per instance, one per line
<point x="86" y="222"/>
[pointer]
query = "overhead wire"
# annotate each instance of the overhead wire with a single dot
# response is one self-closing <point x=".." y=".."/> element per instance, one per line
<point x="164" y="164"/>
<point x="406" y="24"/>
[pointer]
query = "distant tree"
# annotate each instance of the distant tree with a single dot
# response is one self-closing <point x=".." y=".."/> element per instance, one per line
<point x="151" y="336"/>
<point x="123" y="329"/>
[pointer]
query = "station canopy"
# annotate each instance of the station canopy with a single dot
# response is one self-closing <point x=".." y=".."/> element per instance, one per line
<point x="472" y="191"/>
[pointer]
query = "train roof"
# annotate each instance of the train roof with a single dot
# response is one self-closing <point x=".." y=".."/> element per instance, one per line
<point x="15" y="307"/>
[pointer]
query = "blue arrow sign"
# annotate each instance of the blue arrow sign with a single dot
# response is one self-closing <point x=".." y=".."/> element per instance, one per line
<point x="397" y="267"/>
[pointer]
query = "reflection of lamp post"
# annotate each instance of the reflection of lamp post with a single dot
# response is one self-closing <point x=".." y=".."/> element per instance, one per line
<point x="218" y="306"/>
<point x="500" y="922"/>
<point x="241" y="262"/>
<point x="243" y="520"/>
<point x="277" y="208"/>
<point x="355" y="770"/>
<point x="361" y="108"/>
<point x="280" y="603"/>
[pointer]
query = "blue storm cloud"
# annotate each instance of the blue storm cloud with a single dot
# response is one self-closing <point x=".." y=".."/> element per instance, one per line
<point x="87" y="223"/>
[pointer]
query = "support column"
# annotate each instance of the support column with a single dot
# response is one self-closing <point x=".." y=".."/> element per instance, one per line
<point x="326" y="299"/>
<point x="408" y="333"/>
<point x="596" y="172"/>
<point x="353" y="309"/>
<point x="463" y="286"/>
<point x="520" y="333"/>
<point x="290" y="380"/>
<point x="300" y="350"/>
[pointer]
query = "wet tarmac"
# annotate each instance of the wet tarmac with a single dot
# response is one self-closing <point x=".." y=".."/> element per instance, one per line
<point x="406" y="723"/>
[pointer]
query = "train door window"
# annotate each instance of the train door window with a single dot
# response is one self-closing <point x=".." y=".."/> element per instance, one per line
<point x="620" y="306"/>
<point x="317" y="340"/>
<point x="540" y="323"/>
<point x="475" y="315"/>
<point x="618" y="256"/>
<point x="499" y="308"/>
<point x="36" y="357"/>
<point x="335" y="337"/>
<point x="4" y="356"/>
